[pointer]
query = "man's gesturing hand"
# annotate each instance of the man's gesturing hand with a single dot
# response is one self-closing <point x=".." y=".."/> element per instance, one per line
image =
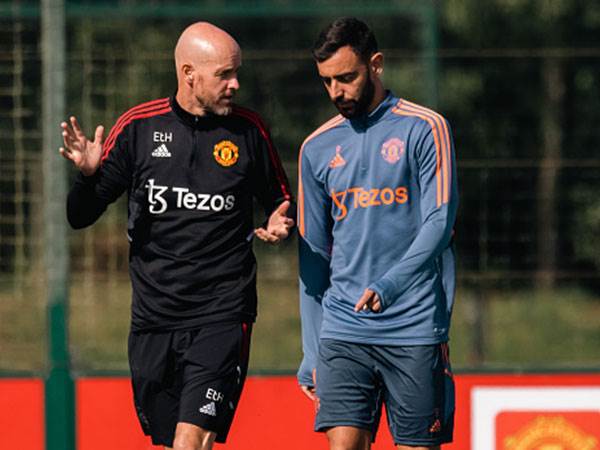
<point x="83" y="153"/>
<point x="278" y="226"/>
<point x="369" y="300"/>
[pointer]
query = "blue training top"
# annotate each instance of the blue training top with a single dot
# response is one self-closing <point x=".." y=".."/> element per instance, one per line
<point x="377" y="201"/>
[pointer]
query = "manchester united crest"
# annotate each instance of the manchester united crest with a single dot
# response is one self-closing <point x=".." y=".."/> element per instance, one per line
<point x="226" y="153"/>
<point x="392" y="150"/>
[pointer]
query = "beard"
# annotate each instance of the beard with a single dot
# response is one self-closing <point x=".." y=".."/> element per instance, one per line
<point x="216" y="106"/>
<point x="352" y="109"/>
<point x="219" y="109"/>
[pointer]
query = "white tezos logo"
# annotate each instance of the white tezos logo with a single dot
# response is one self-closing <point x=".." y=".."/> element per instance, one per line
<point x="186" y="199"/>
<point x="158" y="204"/>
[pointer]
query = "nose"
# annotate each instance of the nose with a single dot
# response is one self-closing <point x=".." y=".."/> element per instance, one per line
<point x="233" y="84"/>
<point x="335" y="90"/>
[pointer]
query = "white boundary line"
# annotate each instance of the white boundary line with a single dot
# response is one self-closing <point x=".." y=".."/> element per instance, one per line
<point x="487" y="402"/>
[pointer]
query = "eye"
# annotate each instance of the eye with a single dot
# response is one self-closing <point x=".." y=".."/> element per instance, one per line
<point x="347" y="78"/>
<point x="326" y="80"/>
<point x="226" y="74"/>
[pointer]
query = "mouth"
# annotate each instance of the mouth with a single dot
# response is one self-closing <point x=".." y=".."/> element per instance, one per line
<point x="345" y="104"/>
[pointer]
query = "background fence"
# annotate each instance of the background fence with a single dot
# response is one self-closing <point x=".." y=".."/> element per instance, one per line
<point x="521" y="94"/>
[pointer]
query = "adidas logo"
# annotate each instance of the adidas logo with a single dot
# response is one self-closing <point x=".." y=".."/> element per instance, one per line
<point x="337" y="160"/>
<point x="436" y="427"/>
<point x="161" y="152"/>
<point x="209" y="409"/>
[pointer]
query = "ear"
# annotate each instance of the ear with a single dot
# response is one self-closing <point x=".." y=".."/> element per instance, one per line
<point x="188" y="73"/>
<point x="376" y="64"/>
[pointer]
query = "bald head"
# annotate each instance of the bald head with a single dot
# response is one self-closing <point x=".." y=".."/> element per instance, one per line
<point x="202" y="43"/>
<point x="207" y="60"/>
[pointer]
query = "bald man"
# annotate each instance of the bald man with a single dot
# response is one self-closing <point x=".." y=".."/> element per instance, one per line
<point x="192" y="166"/>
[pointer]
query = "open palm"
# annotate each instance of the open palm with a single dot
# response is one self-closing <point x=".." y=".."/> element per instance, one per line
<point x="83" y="153"/>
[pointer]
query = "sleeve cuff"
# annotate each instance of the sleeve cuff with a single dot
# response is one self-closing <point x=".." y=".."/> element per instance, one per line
<point x="383" y="289"/>
<point x="304" y="374"/>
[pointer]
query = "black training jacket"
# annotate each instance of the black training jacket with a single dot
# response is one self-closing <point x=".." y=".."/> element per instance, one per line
<point x="190" y="182"/>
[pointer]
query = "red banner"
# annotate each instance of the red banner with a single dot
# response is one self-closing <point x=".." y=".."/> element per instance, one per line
<point x="494" y="412"/>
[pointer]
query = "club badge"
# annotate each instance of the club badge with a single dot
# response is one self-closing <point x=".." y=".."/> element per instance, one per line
<point x="226" y="153"/>
<point x="392" y="150"/>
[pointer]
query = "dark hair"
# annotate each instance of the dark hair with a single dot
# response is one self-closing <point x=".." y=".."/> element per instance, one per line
<point x="345" y="31"/>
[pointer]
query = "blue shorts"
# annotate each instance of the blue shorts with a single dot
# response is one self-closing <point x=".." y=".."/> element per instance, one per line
<point x="414" y="382"/>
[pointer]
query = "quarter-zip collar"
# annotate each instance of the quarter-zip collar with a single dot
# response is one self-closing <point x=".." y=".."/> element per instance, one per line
<point x="365" y="121"/>
<point x="190" y="119"/>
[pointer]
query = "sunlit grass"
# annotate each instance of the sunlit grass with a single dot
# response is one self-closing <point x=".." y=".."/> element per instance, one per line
<point x="521" y="330"/>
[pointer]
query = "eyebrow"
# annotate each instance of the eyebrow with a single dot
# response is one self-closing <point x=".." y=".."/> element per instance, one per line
<point x="340" y="76"/>
<point x="226" y="69"/>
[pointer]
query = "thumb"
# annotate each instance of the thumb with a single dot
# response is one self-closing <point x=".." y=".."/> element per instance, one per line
<point x="99" y="135"/>
<point x="282" y="209"/>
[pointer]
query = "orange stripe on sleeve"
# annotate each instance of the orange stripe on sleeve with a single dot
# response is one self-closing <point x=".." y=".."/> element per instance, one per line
<point x="331" y="123"/>
<point x="446" y="146"/>
<point x="323" y="128"/>
<point x="407" y="112"/>
<point x="300" y="196"/>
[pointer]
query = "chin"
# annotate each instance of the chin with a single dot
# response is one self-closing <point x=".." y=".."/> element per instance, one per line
<point x="348" y="114"/>
<point x="221" y="110"/>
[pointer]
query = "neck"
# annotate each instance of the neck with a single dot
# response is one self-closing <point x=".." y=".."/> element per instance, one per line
<point x="188" y="102"/>
<point x="378" y="96"/>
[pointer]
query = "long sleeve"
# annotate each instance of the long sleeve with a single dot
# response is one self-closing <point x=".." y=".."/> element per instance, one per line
<point x="270" y="183"/>
<point x="438" y="205"/>
<point x="314" y="225"/>
<point x="89" y="196"/>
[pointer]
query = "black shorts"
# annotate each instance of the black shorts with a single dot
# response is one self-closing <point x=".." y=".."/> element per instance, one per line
<point x="193" y="376"/>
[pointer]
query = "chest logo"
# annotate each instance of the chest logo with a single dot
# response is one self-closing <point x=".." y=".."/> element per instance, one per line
<point x="161" y="152"/>
<point x="226" y="153"/>
<point x="392" y="150"/>
<point x="338" y="160"/>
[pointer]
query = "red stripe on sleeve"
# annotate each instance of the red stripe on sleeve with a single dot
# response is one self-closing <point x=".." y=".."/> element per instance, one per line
<point x="134" y="110"/>
<point x="279" y="173"/>
<point x="128" y="117"/>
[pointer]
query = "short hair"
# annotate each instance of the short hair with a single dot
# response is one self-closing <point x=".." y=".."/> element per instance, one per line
<point x="342" y="32"/>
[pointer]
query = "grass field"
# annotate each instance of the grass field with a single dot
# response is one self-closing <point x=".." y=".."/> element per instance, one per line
<point x="516" y="329"/>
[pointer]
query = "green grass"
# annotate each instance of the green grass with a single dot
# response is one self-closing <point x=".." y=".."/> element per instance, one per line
<point x="521" y="329"/>
<point x="528" y="330"/>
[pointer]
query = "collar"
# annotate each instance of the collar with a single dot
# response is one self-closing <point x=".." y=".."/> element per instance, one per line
<point x="384" y="106"/>
<point x="189" y="118"/>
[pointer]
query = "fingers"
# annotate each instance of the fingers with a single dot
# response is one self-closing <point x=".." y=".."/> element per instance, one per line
<point x="70" y="156"/>
<point x="282" y="209"/>
<point x="376" y="306"/>
<point x="369" y="300"/>
<point x="363" y="302"/>
<point x="264" y="235"/>
<point x="76" y="127"/>
<point x="309" y="391"/>
<point x="65" y="153"/>
<point x="99" y="135"/>
<point x="68" y="135"/>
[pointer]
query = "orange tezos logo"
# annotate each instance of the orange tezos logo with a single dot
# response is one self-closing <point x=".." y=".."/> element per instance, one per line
<point x="226" y="153"/>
